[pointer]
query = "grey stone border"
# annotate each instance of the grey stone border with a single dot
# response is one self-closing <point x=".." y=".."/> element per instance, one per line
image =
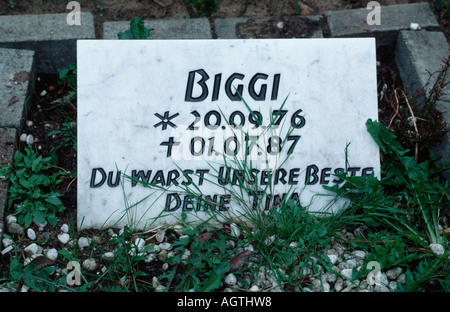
<point x="50" y="37"/>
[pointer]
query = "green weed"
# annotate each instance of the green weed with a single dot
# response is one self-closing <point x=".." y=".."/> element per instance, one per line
<point x="69" y="132"/>
<point x="33" y="180"/>
<point x="409" y="197"/>
<point x="68" y="77"/>
<point x="137" y="30"/>
<point x="127" y="256"/>
<point x="205" y="268"/>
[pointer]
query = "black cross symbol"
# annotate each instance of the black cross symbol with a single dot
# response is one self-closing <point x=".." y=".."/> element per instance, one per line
<point x="165" y="120"/>
<point x="169" y="145"/>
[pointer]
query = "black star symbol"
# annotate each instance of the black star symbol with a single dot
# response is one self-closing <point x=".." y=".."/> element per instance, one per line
<point x="165" y="120"/>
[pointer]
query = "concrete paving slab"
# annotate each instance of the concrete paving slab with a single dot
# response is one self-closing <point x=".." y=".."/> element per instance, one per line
<point x="198" y="28"/>
<point x="225" y="28"/>
<point x="419" y="54"/>
<point x="16" y="74"/>
<point x="393" y="18"/>
<point x="7" y="139"/>
<point x="49" y="35"/>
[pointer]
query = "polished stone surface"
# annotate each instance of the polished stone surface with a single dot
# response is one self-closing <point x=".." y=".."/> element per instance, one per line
<point x="160" y="111"/>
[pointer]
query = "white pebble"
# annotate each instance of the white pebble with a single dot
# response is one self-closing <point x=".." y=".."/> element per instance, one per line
<point x="64" y="238"/>
<point x="108" y="256"/>
<point x="43" y="93"/>
<point x="359" y="254"/>
<point x="402" y="278"/>
<point x="235" y="232"/>
<point x="330" y="277"/>
<point x="414" y="26"/>
<point x="156" y="249"/>
<point x="29" y="139"/>
<point x="333" y="258"/>
<point x="437" y="249"/>
<point x="65" y="228"/>
<point x="347" y="273"/>
<point x="249" y="248"/>
<point x="381" y="288"/>
<point x="165" y="246"/>
<point x="11" y="219"/>
<point x="339" y="285"/>
<point x="32" y="249"/>
<point x="155" y="282"/>
<point x="319" y="286"/>
<point x="89" y="264"/>
<point x="160" y="236"/>
<point x="254" y="288"/>
<point x="280" y="25"/>
<point x="150" y="258"/>
<point x="165" y="266"/>
<point x="393" y="286"/>
<point x="230" y="279"/>
<point x="23" y="137"/>
<point x="83" y="242"/>
<point x="351" y="263"/>
<point x="7" y="242"/>
<point x="293" y="245"/>
<point x="31" y="234"/>
<point x="140" y="243"/>
<point x="52" y="254"/>
<point x="7" y="249"/>
<point x="29" y="123"/>
<point x="179" y="229"/>
<point x="394" y="273"/>
<point x="186" y="254"/>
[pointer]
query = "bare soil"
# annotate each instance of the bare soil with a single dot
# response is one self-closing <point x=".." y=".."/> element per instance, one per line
<point x="125" y="10"/>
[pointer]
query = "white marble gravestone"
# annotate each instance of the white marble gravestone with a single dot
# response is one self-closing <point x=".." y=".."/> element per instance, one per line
<point x="186" y="116"/>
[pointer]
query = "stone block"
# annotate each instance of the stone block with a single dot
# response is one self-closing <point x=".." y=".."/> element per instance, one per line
<point x="49" y="35"/>
<point x="198" y="28"/>
<point x="225" y="28"/>
<point x="393" y="18"/>
<point x="16" y="74"/>
<point x="419" y="58"/>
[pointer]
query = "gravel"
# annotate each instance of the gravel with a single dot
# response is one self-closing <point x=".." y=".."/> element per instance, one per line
<point x="90" y="264"/>
<point x="437" y="249"/>
<point x="65" y="228"/>
<point x="250" y="275"/>
<point x="52" y="254"/>
<point x="64" y="238"/>
<point x="31" y="234"/>
<point x="83" y="242"/>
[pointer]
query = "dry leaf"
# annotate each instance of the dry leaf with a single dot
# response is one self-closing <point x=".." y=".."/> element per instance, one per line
<point x="238" y="262"/>
<point x="12" y="101"/>
<point x="41" y="261"/>
<point x="204" y="237"/>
